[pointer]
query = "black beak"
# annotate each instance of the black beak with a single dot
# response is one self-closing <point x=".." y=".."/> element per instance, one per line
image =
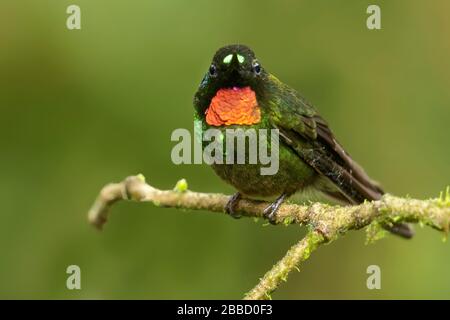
<point x="234" y="64"/>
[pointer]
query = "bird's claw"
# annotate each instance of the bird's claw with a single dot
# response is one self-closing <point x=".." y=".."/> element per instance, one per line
<point x="230" y="207"/>
<point x="270" y="213"/>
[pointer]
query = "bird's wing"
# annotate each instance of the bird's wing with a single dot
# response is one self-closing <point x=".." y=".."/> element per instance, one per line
<point x="311" y="138"/>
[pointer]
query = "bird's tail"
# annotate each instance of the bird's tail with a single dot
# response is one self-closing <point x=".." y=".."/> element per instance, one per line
<point x="403" y="230"/>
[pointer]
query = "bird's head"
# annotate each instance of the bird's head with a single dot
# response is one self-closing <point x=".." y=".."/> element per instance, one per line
<point x="235" y="66"/>
<point x="230" y="85"/>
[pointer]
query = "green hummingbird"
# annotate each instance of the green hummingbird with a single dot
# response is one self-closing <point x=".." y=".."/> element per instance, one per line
<point x="237" y="92"/>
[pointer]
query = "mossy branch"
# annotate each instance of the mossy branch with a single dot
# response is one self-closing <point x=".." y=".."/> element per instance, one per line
<point x="326" y="222"/>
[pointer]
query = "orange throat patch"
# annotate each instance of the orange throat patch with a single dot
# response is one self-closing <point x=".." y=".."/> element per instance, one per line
<point x="233" y="106"/>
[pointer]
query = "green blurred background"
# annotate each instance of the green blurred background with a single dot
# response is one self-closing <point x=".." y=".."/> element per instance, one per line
<point x="82" y="108"/>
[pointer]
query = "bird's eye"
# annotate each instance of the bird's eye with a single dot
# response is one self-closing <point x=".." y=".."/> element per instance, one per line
<point x="256" y="67"/>
<point x="212" y="70"/>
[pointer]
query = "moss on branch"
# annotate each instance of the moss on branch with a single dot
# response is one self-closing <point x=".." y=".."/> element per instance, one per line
<point x="326" y="222"/>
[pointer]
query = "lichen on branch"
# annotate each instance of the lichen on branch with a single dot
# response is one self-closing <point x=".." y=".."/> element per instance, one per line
<point x="326" y="222"/>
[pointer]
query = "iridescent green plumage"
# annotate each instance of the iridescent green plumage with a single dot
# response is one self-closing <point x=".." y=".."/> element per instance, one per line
<point x="309" y="155"/>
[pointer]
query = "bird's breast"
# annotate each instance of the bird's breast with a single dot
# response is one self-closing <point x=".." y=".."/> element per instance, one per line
<point x="233" y="106"/>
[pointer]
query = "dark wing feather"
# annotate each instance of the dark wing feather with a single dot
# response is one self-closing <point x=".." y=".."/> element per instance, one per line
<point x="312" y="139"/>
<point x="327" y="137"/>
<point x="328" y="162"/>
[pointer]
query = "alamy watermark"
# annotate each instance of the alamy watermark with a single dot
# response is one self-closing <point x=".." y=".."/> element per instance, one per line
<point x="373" y="21"/>
<point x="73" y="21"/>
<point x="374" y="280"/>
<point x="228" y="146"/>
<point x="73" y="281"/>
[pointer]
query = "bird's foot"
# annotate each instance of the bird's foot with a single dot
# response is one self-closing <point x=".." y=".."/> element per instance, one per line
<point x="270" y="213"/>
<point x="230" y="207"/>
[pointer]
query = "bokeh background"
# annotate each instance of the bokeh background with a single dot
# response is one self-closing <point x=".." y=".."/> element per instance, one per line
<point x="82" y="108"/>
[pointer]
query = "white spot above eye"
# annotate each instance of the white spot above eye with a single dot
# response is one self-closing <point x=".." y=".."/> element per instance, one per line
<point x="228" y="58"/>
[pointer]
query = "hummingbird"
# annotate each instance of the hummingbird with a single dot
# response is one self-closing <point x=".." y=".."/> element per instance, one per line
<point x="238" y="92"/>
